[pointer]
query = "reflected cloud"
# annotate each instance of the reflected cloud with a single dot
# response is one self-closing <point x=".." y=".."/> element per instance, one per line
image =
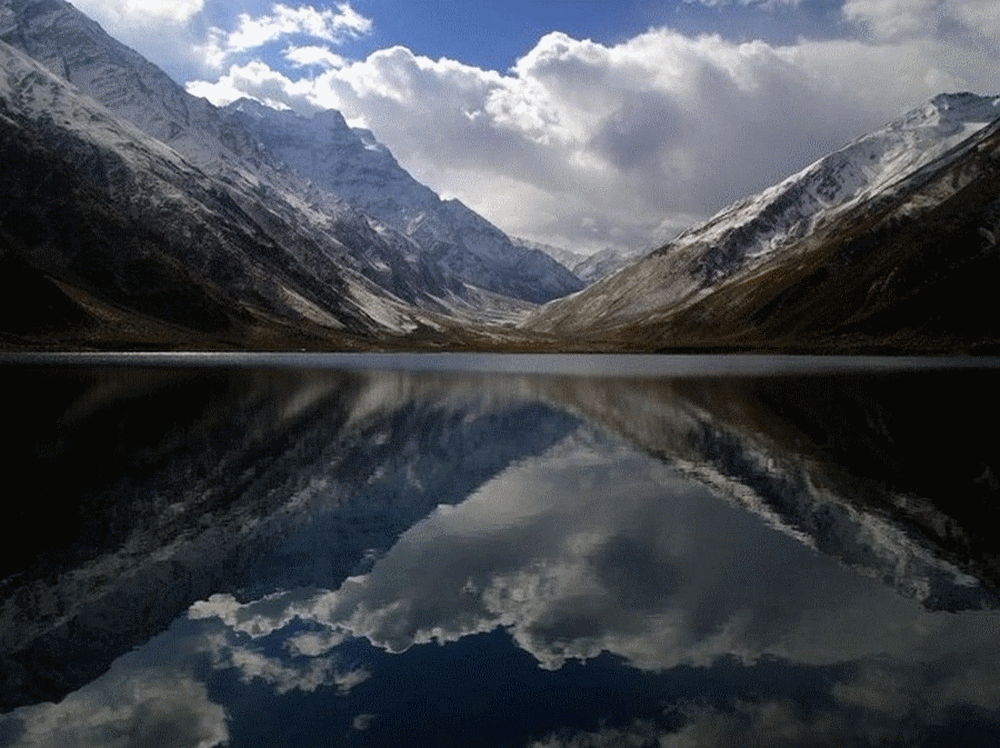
<point x="318" y="527"/>
<point x="305" y="674"/>
<point x="582" y="552"/>
<point x="154" y="708"/>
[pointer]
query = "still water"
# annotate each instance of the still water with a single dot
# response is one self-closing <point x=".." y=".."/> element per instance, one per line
<point x="500" y="551"/>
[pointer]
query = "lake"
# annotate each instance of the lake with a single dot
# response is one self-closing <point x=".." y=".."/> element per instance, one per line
<point x="449" y="550"/>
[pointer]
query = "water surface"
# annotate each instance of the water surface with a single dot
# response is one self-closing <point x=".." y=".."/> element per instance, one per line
<point x="500" y="551"/>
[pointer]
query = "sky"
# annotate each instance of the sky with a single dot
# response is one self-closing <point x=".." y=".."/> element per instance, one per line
<point x="581" y="123"/>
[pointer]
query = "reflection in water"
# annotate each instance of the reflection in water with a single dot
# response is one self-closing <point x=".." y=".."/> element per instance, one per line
<point x="302" y="556"/>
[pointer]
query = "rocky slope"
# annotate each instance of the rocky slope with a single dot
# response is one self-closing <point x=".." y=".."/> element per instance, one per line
<point x="228" y="145"/>
<point x="352" y="164"/>
<point x="98" y="218"/>
<point x="851" y="217"/>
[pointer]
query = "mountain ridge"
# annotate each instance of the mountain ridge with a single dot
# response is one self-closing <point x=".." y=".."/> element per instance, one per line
<point x="687" y="286"/>
<point x="317" y="236"/>
<point x="78" y="50"/>
<point x="352" y="164"/>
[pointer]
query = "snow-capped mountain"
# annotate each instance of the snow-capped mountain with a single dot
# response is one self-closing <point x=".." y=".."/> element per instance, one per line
<point x="313" y="231"/>
<point x="592" y="267"/>
<point x="351" y="163"/>
<point x="391" y="272"/>
<point x="779" y="227"/>
<point x="134" y="233"/>
<point x="605" y="262"/>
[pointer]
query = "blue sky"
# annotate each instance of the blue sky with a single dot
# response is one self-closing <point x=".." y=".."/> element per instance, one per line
<point x="493" y="34"/>
<point x="584" y="123"/>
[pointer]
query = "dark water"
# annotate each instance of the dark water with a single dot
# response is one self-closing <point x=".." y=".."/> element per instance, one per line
<point x="604" y="551"/>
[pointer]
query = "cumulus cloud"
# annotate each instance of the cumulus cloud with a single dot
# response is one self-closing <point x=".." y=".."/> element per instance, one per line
<point x="313" y="55"/>
<point x="125" y="13"/>
<point x="128" y="709"/>
<point x="582" y="554"/>
<point x="252" y="32"/>
<point x="588" y="144"/>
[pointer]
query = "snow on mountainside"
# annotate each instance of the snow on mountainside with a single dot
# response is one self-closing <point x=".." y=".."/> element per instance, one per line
<point x="351" y="163"/>
<point x="592" y="267"/>
<point x="605" y="262"/>
<point x="113" y="216"/>
<point x="77" y="49"/>
<point x="771" y="227"/>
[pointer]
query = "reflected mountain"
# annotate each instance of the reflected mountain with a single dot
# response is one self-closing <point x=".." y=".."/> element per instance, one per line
<point x="154" y="489"/>
<point x="321" y="528"/>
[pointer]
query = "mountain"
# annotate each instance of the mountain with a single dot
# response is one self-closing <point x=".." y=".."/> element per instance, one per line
<point x="351" y="163"/>
<point x="105" y="228"/>
<point x="604" y="262"/>
<point x="134" y="214"/>
<point x="379" y="281"/>
<point x="592" y="267"/>
<point x="884" y="244"/>
<point x="565" y="257"/>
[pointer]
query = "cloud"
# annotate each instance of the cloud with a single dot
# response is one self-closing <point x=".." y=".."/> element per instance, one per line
<point x="128" y="709"/>
<point x="908" y="19"/>
<point x="590" y="144"/>
<point x="313" y="55"/>
<point x="577" y="555"/>
<point x="253" y="32"/>
<point x="305" y="674"/>
<point x="119" y="14"/>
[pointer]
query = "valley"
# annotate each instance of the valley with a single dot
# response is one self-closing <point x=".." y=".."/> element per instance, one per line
<point x="136" y="216"/>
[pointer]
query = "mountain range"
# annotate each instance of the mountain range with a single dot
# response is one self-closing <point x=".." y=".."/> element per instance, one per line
<point x="193" y="482"/>
<point x="135" y="215"/>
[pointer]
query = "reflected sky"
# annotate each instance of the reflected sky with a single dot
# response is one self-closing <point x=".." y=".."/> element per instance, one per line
<point x="561" y="582"/>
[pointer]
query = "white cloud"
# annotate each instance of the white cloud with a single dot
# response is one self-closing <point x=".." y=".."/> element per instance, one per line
<point x="588" y="552"/>
<point x="313" y="55"/>
<point x="334" y="26"/>
<point x="127" y="708"/>
<point x="894" y="19"/>
<point x="284" y="675"/>
<point x="256" y="80"/>
<point x="589" y="144"/>
<point x="121" y="14"/>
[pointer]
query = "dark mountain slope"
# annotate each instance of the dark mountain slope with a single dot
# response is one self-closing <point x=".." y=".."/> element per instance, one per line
<point x="91" y="204"/>
<point x="910" y="267"/>
<point x="914" y="269"/>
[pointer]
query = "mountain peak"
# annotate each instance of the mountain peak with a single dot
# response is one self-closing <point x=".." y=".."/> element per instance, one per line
<point x="966" y="101"/>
